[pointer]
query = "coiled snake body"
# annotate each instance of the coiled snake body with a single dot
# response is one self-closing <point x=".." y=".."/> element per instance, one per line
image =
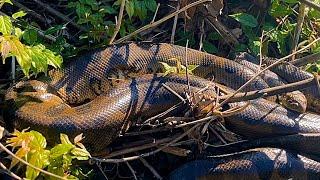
<point x="52" y="106"/>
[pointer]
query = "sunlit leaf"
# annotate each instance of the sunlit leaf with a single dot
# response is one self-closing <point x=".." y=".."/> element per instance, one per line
<point x="2" y="130"/>
<point x="6" y="1"/>
<point x="21" y="153"/>
<point x="18" y="50"/>
<point x="60" y="150"/>
<point x="5" y="25"/>
<point x="64" y="139"/>
<point x="245" y="19"/>
<point x="18" y="32"/>
<point x="39" y="159"/>
<point x="130" y="8"/>
<point x="39" y="141"/>
<point x="78" y="138"/>
<point x="18" y="14"/>
<point x="80" y="154"/>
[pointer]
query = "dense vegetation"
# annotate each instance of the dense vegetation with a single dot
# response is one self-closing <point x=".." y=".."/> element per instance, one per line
<point x="264" y="28"/>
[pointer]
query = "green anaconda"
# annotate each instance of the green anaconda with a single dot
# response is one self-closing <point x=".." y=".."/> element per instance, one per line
<point x="291" y="74"/>
<point x="68" y="101"/>
<point x="295" y="100"/>
<point x="262" y="163"/>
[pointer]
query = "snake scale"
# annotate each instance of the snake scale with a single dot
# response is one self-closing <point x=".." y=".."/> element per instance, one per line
<point x="77" y="98"/>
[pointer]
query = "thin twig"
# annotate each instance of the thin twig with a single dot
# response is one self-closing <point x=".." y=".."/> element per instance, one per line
<point x="60" y="15"/>
<point x="7" y="171"/>
<point x="186" y="63"/>
<point x="245" y="96"/>
<point x="154" y="172"/>
<point x="101" y="170"/>
<point x="217" y="134"/>
<point x="311" y="4"/>
<point x="163" y="113"/>
<point x="40" y="32"/>
<point x="118" y="22"/>
<point x="156" y="23"/>
<point x="307" y="59"/>
<point x="173" y="92"/>
<point x="261" y="71"/>
<point x="29" y="11"/>
<point x="146" y="154"/>
<point x="174" y="27"/>
<point x="139" y="148"/>
<point x="155" y="14"/>
<point x="196" y="121"/>
<point x="297" y="31"/>
<point x="28" y="164"/>
<point x="260" y="49"/>
<point x="201" y="35"/>
<point x="132" y="170"/>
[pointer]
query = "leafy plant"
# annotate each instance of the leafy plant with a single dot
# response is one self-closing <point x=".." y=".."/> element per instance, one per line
<point x="96" y="16"/>
<point x="32" y="147"/>
<point x="178" y="69"/>
<point x="34" y="58"/>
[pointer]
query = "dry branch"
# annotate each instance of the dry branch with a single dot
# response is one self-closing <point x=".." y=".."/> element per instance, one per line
<point x="162" y="20"/>
<point x="261" y="71"/>
<point x="118" y="23"/>
<point x="99" y="160"/>
<point x="307" y="59"/>
<point x="270" y="91"/>
<point x="297" y="31"/>
<point x="7" y="171"/>
<point x="311" y="4"/>
<point x="60" y="15"/>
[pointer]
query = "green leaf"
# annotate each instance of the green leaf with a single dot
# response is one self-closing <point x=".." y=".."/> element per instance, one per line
<point x="213" y="36"/>
<point x="11" y="46"/>
<point x="130" y="8"/>
<point x="151" y="5"/>
<point x="210" y="48"/>
<point x="55" y="170"/>
<point x="167" y="69"/>
<point x="255" y="47"/>
<point x="54" y="29"/>
<point x="39" y="141"/>
<point x="117" y="3"/>
<point x="80" y="154"/>
<point x="60" y="150"/>
<point x="18" y="32"/>
<point x="6" y="1"/>
<point x="107" y="9"/>
<point x="5" y="25"/>
<point x="291" y="1"/>
<point x="30" y="36"/>
<point x="140" y="10"/>
<point x="64" y="139"/>
<point x="52" y="59"/>
<point x="245" y="19"/>
<point x="39" y="61"/>
<point x="18" y="14"/>
<point x="280" y="10"/>
<point x="38" y="159"/>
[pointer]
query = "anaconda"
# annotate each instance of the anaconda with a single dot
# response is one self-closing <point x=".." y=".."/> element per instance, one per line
<point x="260" y="163"/>
<point x="295" y="100"/>
<point x="106" y="117"/>
<point x="291" y="74"/>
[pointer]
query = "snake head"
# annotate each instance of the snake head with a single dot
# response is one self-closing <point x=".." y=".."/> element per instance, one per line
<point x="295" y="101"/>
